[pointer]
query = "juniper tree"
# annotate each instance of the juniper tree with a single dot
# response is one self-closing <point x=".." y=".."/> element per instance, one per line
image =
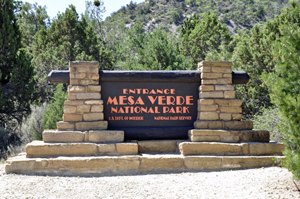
<point x="17" y="83"/>
<point x="284" y="83"/>
<point x="200" y="37"/>
<point x="254" y="55"/>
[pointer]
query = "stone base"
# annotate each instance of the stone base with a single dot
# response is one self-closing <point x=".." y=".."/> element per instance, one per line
<point x="98" y="136"/>
<point x="207" y="135"/>
<point x="105" y="165"/>
<point x="39" y="149"/>
<point x="216" y="148"/>
<point x="159" y="146"/>
<point x="226" y="125"/>
<point x="81" y="126"/>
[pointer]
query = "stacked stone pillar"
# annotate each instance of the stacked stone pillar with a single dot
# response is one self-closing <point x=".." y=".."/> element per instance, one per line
<point x="83" y="118"/>
<point x="84" y="109"/>
<point x="217" y="96"/>
<point x="219" y="113"/>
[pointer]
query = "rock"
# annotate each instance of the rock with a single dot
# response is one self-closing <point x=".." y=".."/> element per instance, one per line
<point x="63" y="136"/>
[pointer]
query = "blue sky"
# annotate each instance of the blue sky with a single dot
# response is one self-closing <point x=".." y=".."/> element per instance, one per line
<point x="55" y="6"/>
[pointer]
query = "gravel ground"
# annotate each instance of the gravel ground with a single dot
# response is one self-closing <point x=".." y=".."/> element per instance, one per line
<point x="270" y="182"/>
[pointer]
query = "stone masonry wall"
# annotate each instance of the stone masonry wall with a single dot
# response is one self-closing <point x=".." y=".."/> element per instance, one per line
<point x="217" y="96"/>
<point x="84" y="108"/>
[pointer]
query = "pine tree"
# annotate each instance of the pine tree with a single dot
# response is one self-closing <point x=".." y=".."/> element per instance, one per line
<point x="254" y="55"/>
<point x="32" y="18"/>
<point x="200" y="37"/>
<point x="67" y="39"/>
<point x="284" y="83"/>
<point x="17" y="83"/>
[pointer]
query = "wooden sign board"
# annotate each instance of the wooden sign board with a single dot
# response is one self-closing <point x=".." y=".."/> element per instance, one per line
<point x="150" y="105"/>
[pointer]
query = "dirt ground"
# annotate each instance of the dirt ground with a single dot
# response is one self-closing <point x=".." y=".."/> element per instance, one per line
<point x="269" y="182"/>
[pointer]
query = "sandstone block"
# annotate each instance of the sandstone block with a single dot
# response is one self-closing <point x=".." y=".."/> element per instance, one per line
<point x="224" y="87"/>
<point x="238" y="125"/>
<point x="254" y="136"/>
<point x="92" y="88"/>
<point x="224" y="81"/>
<point x="235" y="102"/>
<point x="266" y="148"/>
<point x="246" y="162"/>
<point x="203" y="132"/>
<point x="206" y="101"/>
<point x="229" y="94"/>
<point x="72" y="96"/>
<point x="106" y="148"/>
<point x="73" y="102"/>
<point x="73" y="69"/>
<point x="65" y="126"/>
<point x="72" y="118"/>
<point x="205" y="69"/>
<point x="208" y="124"/>
<point x="228" y="102"/>
<point x="106" y="136"/>
<point x="99" y="165"/>
<point x="208" y="115"/>
<point x="208" y="107"/>
<point x="211" y="94"/>
<point x="127" y="148"/>
<point x="209" y="81"/>
<point x="204" y="138"/>
<point x="41" y="149"/>
<point x="97" y="108"/>
<point x="206" y="88"/>
<point x="88" y="70"/>
<point x="232" y="138"/>
<point x="229" y="109"/>
<point x="211" y="75"/>
<point x="225" y="116"/>
<point x="77" y="75"/>
<point x="74" y="81"/>
<point x="94" y="77"/>
<point x="92" y="102"/>
<point x="200" y="162"/>
<point x="63" y="136"/>
<point x="221" y="70"/>
<point x="93" y="116"/>
<point x="86" y="136"/>
<point x="236" y="116"/>
<point x="210" y="148"/>
<point x="24" y="165"/>
<point x="75" y="89"/>
<point x="227" y="75"/>
<point x="157" y="146"/>
<point x="167" y="162"/>
<point x="69" y="109"/>
<point x="83" y="64"/>
<point x="86" y="82"/>
<point x="101" y="125"/>
<point x="87" y="96"/>
<point x="83" y="109"/>
<point x="215" y="63"/>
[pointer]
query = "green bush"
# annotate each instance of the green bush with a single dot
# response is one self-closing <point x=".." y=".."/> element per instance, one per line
<point x="269" y="119"/>
<point x="8" y="140"/>
<point x="55" y="111"/>
<point x="32" y="127"/>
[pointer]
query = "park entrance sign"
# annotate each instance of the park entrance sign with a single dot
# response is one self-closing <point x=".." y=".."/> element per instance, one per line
<point x="150" y="104"/>
<point x="125" y="122"/>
